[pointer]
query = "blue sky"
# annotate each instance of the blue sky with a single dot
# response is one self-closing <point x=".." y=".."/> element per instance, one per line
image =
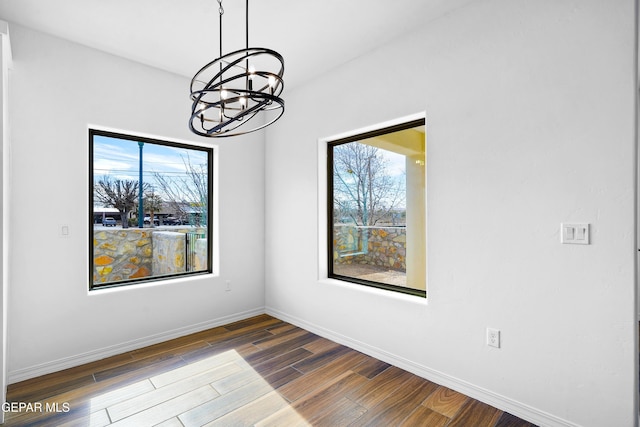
<point x="118" y="158"/>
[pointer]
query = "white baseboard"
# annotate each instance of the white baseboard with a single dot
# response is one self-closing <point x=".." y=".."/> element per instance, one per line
<point x="503" y="403"/>
<point x="91" y="356"/>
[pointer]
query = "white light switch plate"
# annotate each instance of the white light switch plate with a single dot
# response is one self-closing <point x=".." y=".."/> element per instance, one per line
<point x="574" y="234"/>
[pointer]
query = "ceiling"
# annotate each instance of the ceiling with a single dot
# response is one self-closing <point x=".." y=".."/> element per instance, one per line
<point x="181" y="36"/>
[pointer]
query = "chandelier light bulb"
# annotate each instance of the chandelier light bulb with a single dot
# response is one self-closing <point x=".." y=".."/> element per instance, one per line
<point x="272" y="84"/>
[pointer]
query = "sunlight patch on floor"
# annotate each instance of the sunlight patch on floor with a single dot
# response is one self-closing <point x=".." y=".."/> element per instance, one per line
<point x="220" y="390"/>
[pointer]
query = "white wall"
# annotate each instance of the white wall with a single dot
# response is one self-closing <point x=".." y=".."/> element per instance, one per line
<point x="5" y="191"/>
<point x="530" y="123"/>
<point x="57" y="89"/>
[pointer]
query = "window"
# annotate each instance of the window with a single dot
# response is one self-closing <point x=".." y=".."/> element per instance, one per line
<point x="150" y="214"/>
<point x="377" y="208"/>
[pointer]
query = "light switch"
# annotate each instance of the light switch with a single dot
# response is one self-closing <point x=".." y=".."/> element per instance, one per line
<point x="574" y="234"/>
<point x="570" y="232"/>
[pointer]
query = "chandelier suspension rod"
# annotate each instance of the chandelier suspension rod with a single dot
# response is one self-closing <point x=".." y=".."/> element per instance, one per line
<point x="246" y="26"/>
<point x="246" y="38"/>
<point x="221" y="12"/>
<point x="248" y="84"/>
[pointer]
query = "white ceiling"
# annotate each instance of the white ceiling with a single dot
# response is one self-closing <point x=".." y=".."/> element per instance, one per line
<point x="181" y="36"/>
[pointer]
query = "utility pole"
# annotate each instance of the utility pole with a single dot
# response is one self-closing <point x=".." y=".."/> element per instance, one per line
<point x="140" y="205"/>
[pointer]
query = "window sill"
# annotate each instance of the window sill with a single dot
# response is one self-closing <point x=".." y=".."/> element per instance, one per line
<point x="182" y="280"/>
<point x="375" y="291"/>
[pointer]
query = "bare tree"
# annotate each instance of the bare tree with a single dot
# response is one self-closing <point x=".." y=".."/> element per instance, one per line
<point x="119" y="194"/>
<point x="364" y="190"/>
<point x="187" y="195"/>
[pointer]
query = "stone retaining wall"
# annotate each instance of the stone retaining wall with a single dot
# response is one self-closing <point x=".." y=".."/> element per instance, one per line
<point x="123" y="254"/>
<point x="200" y="256"/>
<point x="168" y="253"/>
<point x="381" y="246"/>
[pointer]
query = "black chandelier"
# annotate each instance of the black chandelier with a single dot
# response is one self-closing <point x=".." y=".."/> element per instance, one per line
<point x="233" y="89"/>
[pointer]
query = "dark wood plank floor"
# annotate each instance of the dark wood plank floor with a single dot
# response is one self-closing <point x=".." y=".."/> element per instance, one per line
<point x="256" y="372"/>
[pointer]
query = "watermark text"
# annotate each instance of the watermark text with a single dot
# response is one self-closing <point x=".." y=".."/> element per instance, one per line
<point x="36" y="407"/>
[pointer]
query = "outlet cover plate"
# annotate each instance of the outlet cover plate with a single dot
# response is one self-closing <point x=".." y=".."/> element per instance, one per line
<point x="493" y="337"/>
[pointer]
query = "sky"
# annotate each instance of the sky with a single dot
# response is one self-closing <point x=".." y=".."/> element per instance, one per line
<point x="397" y="163"/>
<point x="119" y="159"/>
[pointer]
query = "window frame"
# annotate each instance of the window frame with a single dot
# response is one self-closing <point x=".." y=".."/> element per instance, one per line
<point x="330" y="144"/>
<point x="96" y="131"/>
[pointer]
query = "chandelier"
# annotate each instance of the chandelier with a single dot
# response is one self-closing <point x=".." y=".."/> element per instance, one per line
<point x="239" y="92"/>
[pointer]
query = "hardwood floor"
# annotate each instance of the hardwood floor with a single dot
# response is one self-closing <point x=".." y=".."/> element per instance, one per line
<point x="256" y="372"/>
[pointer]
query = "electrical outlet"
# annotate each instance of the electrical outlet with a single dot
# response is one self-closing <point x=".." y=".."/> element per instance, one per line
<point x="63" y="231"/>
<point x="493" y="337"/>
<point x="228" y="285"/>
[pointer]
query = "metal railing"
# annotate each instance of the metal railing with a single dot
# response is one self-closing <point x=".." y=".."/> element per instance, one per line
<point x="190" y="248"/>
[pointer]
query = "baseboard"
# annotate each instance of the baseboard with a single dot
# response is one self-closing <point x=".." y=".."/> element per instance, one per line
<point x="94" y="355"/>
<point x="503" y="403"/>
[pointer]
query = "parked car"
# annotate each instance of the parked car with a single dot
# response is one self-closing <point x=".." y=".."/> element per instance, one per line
<point x="147" y="220"/>
<point x="109" y="222"/>
<point x="170" y="220"/>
